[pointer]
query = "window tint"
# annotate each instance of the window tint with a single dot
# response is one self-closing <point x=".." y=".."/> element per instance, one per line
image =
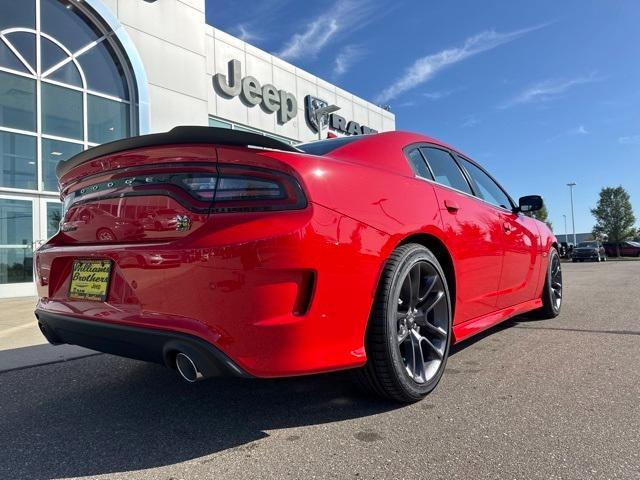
<point x="322" y="147"/>
<point x="418" y="164"/>
<point x="486" y="188"/>
<point x="445" y="169"/>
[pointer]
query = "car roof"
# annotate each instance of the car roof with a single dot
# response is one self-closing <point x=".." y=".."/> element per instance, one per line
<point x="380" y="149"/>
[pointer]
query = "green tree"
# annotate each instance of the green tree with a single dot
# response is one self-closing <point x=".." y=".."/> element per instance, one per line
<point x="614" y="215"/>
<point x="542" y="215"/>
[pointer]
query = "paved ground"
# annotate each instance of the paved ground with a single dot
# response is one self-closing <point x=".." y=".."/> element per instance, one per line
<point x="528" y="400"/>
<point x="21" y="343"/>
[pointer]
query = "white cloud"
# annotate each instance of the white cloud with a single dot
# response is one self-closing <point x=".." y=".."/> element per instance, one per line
<point x="437" y="95"/>
<point x="547" y="90"/>
<point x="470" y="121"/>
<point x="425" y="68"/>
<point x="318" y="33"/>
<point x="244" y="34"/>
<point x="630" y="140"/>
<point x="346" y="58"/>
<point x="579" y="130"/>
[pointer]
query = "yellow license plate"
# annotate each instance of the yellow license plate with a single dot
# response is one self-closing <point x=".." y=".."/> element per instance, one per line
<point x="90" y="280"/>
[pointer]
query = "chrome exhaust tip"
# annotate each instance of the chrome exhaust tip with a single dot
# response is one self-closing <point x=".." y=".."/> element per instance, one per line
<point x="187" y="368"/>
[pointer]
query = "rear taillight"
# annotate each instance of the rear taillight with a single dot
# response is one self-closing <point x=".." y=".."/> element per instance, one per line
<point x="232" y="188"/>
<point x="244" y="189"/>
<point x="249" y="189"/>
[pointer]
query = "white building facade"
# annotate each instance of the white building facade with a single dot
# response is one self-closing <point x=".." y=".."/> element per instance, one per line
<point x="78" y="73"/>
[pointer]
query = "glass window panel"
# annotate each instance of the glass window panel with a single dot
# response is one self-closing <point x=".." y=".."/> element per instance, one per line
<point x="108" y="119"/>
<point x="17" y="102"/>
<point x="8" y="59"/>
<point x="25" y="43"/>
<point x="103" y="71"/>
<point x="214" y="122"/>
<point x="18" y="161"/>
<point x="445" y="169"/>
<point x="54" y="215"/>
<point x="419" y="165"/>
<point x="67" y="74"/>
<point x="16" y="239"/>
<point x="486" y="188"/>
<point x="17" y="13"/>
<point x="54" y="151"/>
<point x="61" y="111"/>
<point x="51" y="54"/>
<point x="246" y="129"/>
<point x="63" y="21"/>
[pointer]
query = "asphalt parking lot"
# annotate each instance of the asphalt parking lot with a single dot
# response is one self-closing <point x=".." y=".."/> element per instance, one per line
<point x="527" y="400"/>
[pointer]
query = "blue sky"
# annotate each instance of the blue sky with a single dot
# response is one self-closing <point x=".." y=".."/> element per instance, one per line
<point x="541" y="93"/>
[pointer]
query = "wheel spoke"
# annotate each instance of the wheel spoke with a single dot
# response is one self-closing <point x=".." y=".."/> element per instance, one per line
<point x="430" y="283"/>
<point x="416" y="345"/>
<point x="424" y="323"/>
<point x="432" y="347"/>
<point x="433" y="299"/>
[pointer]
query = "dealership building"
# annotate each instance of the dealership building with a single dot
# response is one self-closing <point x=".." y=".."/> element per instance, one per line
<point x="78" y="73"/>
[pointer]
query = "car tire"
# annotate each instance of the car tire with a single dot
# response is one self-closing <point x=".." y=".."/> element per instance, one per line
<point x="552" y="291"/>
<point x="574" y="260"/>
<point x="407" y="370"/>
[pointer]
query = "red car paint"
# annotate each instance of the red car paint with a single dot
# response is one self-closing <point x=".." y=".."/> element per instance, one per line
<point x="289" y="292"/>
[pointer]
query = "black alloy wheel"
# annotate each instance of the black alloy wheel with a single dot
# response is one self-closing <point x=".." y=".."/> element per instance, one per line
<point x="408" y="335"/>
<point x="552" y="292"/>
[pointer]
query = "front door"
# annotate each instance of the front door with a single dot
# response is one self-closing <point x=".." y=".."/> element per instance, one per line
<point x="521" y="260"/>
<point x="474" y="236"/>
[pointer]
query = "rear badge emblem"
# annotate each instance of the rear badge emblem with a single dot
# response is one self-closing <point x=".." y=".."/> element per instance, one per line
<point x="183" y="223"/>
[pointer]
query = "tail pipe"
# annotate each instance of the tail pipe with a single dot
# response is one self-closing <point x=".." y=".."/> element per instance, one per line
<point x="188" y="368"/>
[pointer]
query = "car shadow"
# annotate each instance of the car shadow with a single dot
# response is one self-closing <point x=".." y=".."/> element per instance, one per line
<point x="103" y="414"/>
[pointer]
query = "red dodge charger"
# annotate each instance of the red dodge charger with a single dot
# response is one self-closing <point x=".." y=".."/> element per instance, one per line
<point x="372" y="252"/>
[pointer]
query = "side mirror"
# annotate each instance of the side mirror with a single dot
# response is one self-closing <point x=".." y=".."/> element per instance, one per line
<point x="530" y="203"/>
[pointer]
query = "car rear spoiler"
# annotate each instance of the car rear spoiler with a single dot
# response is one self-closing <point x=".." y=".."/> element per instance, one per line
<point x="176" y="136"/>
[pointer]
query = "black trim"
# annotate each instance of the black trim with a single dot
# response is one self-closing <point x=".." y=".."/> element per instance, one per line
<point x="176" y="136"/>
<point x="148" y="344"/>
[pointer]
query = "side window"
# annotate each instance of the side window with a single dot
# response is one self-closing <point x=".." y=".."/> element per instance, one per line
<point x="418" y="164"/>
<point x="487" y="189"/>
<point x="445" y="169"/>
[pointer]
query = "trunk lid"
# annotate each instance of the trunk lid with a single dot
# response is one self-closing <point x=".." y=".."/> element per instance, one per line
<point x="150" y="194"/>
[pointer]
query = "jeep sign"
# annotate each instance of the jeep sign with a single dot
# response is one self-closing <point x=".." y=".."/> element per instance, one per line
<point x="251" y="92"/>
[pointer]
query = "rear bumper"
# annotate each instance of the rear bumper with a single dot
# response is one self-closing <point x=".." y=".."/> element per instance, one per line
<point x="158" y="346"/>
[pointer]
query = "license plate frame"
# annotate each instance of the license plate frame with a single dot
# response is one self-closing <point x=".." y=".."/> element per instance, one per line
<point x="90" y="279"/>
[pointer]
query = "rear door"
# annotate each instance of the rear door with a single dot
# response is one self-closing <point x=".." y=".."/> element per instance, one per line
<point x="520" y="236"/>
<point x="474" y="235"/>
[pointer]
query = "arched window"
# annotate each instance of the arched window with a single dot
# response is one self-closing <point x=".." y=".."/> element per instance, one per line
<point x="65" y="85"/>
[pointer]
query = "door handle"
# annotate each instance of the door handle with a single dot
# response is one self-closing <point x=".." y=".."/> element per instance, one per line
<point x="451" y="206"/>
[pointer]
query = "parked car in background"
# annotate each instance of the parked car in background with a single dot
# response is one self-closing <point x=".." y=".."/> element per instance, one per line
<point x="592" y="250"/>
<point x="627" y="249"/>
<point x="565" y="249"/>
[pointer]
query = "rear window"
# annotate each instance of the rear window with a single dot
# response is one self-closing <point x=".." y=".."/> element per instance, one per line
<point x="322" y="147"/>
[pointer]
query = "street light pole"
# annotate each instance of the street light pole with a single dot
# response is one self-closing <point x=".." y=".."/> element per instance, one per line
<point x="573" y="219"/>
